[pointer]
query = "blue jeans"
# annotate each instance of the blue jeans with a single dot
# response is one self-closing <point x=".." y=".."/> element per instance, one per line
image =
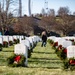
<point x="43" y="44"/>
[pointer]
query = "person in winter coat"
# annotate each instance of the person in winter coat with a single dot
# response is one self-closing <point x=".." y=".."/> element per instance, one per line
<point x="6" y="32"/>
<point x="44" y="39"/>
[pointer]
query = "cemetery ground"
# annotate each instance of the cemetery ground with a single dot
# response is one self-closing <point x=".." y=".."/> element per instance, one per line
<point x="43" y="61"/>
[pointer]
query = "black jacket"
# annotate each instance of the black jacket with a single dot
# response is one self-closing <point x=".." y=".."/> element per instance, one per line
<point x="6" y="33"/>
<point x="44" y="38"/>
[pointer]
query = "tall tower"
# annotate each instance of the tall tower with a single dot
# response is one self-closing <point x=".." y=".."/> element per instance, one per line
<point x="29" y="7"/>
<point x="46" y="6"/>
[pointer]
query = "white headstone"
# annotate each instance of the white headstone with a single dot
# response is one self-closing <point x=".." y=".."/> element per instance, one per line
<point x="38" y="38"/>
<point x="52" y="38"/>
<point x="66" y="44"/>
<point x="60" y="41"/>
<point x="10" y="38"/>
<point x="21" y="38"/>
<point x="18" y="36"/>
<point x="1" y="40"/>
<point x="6" y="38"/>
<point x="56" y="39"/>
<point x="26" y="42"/>
<point x="14" y="37"/>
<point x="21" y="49"/>
<point x="34" y="39"/>
<point x="31" y="40"/>
<point x="71" y="51"/>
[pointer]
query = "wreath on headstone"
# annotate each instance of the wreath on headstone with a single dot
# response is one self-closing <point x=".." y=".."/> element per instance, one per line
<point x="69" y="64"/>
<point x="5" y="44"/>
<point x="16" y="60"/>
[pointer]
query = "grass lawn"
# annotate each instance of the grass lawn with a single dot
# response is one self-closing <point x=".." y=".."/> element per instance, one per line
<point x="43" y="61"/>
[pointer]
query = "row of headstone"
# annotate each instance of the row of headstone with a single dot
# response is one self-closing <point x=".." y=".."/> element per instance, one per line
<point x="10" y="38"/>
<point x="69" y="38"/>
<point x="61" y="41"/>
<point x="66" y="44"/>
<point x="25" y="46"/>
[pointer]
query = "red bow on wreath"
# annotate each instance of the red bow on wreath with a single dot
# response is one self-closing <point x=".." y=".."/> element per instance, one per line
<point x="72" y="62"/>
<point x="17" y="58"/>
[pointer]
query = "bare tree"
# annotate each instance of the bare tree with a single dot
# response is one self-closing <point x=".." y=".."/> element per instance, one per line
<point x="18" y="27"/>
<point x="65" y="24"/>
<point x="7" y="8"/>
<point x="0" y="16"/>
<point x="28" y="25"/>
<point x="25" y="25"/>
<point x="3" y="5"/>
<point x="47" y="23"/>
<point x="63" y="11"/>
<point x="43" y="12"/>
<point x="4" y="13"/>
<point x="51" y="12"/>
<point x="74" y="13"/>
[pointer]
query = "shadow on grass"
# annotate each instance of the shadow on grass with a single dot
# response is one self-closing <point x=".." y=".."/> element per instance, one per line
<point x="2" y="60"/>
<point x="45" y="67"/>
<point x="45" y="58"/>
<point x="7" y="51"/>
<point x="44" y="52"/>
<point x="45" y="62"/>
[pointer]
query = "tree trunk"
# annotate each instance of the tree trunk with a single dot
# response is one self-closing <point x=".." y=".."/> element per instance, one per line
<point x="20" y="8"/>
<point x="64" y="33"/>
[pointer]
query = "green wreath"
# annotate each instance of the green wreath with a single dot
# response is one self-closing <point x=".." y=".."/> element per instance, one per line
<point x="16" y="60"/>
<point x="69" y="64"/>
